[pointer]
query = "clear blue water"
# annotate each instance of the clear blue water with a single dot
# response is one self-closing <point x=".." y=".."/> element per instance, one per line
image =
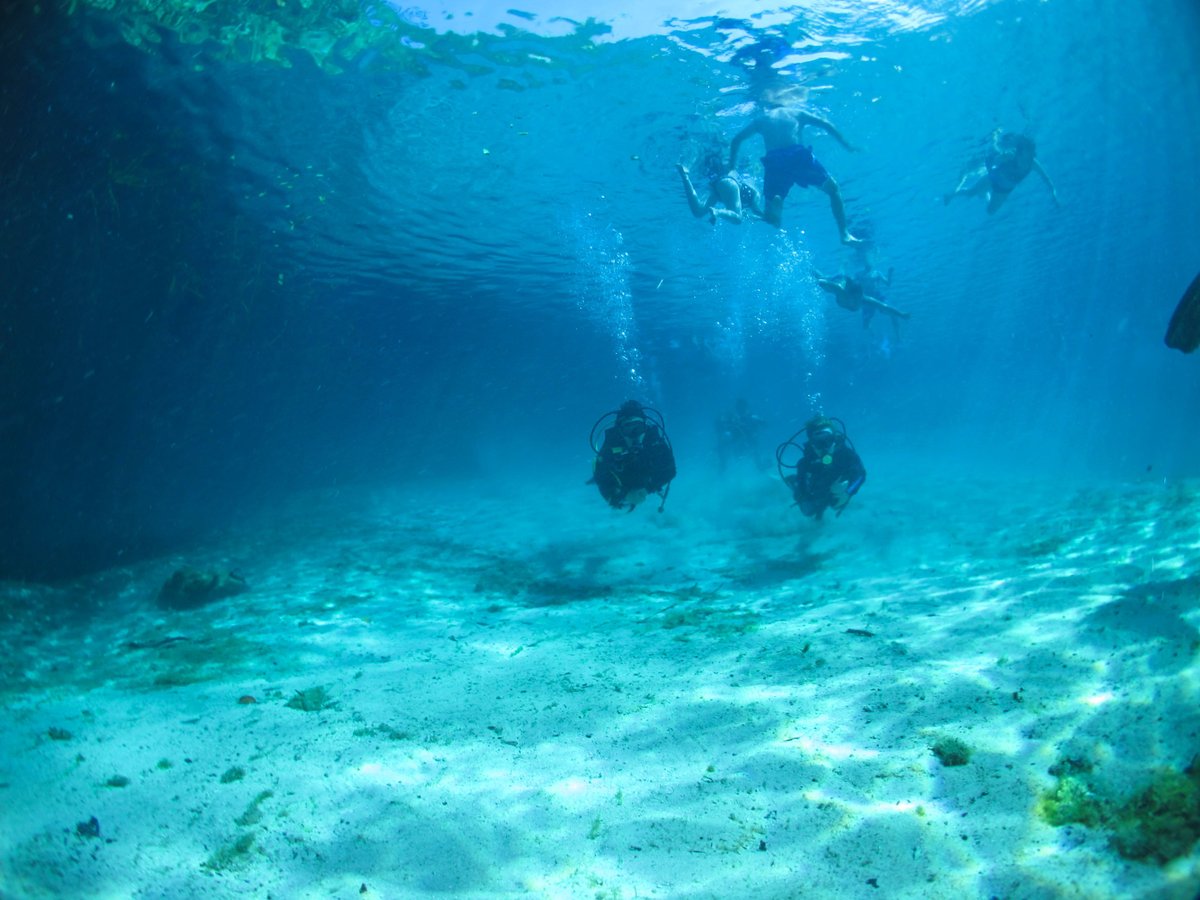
<point x="322" y="299"/>
<point x="446" y="247"/>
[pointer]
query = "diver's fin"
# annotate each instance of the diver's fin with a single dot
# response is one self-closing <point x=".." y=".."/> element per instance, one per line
<point x="1184" y="331"/>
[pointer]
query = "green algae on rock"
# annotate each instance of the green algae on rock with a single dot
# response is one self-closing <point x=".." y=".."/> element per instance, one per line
<point x="1157" y="824"/>
<point x="951" y="752"/>
<point x="313" y="699"/>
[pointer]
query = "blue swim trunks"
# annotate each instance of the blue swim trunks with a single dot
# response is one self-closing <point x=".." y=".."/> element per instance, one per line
<point x="786" y="166"/>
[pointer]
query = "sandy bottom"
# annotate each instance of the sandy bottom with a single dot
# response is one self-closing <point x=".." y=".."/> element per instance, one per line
<point x="535" y="696"/>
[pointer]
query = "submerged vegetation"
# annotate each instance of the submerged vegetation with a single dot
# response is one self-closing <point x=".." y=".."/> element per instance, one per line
<point x="1157" y="823"/>
<point x="252" y="815"/>
<point x="230" y="855"/>
<point x="1071" y="800"/>
<point x="951" y="752"/>
<point x="251" y="32"/>
<point x="332" y="34"/>
<point x="1162" y="821"/>
<point x="313" y="699"/>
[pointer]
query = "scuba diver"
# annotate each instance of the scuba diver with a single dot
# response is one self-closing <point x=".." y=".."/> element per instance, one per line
<point x="829" y="471"/>
<point x="635" y="459"/>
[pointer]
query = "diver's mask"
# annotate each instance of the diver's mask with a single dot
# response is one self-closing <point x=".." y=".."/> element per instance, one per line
<point x="822" y="442"/>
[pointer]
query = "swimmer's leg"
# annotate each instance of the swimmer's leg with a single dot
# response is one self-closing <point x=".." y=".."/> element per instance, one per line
<point x="830" y="187"/>
<point x="972" y="184"/>
<point x="996" y="200"/>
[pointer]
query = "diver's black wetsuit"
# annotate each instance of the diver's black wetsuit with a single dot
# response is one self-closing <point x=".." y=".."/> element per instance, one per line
<point x="635" y="456"/>
<point x="817" y="473"/>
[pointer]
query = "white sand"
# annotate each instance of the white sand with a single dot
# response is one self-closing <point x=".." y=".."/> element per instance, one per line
<point x="540" y="697"/>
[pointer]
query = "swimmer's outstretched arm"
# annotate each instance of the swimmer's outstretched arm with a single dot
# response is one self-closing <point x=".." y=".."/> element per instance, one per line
<point x="882" y="307"/>
<point x="689" y="192"/>
<point x="736" y="144"/>
<point x="826" y="126"/>
<point x="1037" y="167"/>
<point x="835" y="285"/>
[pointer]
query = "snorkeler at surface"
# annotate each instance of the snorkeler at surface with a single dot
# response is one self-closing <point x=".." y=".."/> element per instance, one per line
<point x="1009" y="159"/>
<point x="726" y="187"/>
<point x="789" y="161"/>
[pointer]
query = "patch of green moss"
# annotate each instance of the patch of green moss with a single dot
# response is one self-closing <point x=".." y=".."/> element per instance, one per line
<point x="313" y="699"/>
<point x="1071" y="765"/>
<point x="1158" y="823"/>
<point x="1162" y="821"/>
<point x="230" y="855"/>
<point x="328" y="32"/>
<point x="951" y="752"/>
<point x="253" y="814"/>
<point x="383" y="730"/>
<point x="1071" y="800"/>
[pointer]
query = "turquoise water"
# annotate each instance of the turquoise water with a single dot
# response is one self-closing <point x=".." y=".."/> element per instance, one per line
<point x="353" y="244"/>
<point x="328" y="296"/>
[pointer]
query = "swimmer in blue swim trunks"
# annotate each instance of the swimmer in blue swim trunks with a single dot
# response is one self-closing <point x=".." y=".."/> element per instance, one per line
<point x="789" y="161"/>
<point x="1010" y="157"/>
